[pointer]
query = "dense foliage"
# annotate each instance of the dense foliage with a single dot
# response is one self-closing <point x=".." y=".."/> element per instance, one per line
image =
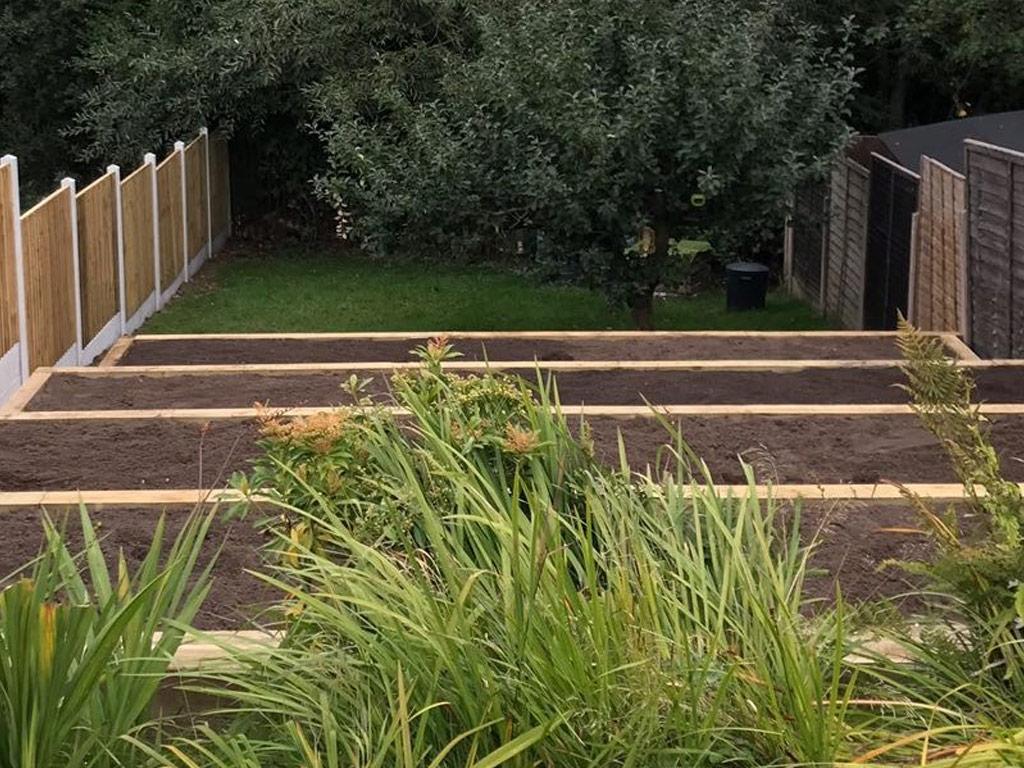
<point x="593" y="123"/>
<point x="596" y="138"/>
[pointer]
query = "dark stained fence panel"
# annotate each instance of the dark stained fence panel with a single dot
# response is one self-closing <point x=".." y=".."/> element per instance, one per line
<point x="995" y="250"/>
<point x="893" y="202"/>
<point x="809" y="217"/>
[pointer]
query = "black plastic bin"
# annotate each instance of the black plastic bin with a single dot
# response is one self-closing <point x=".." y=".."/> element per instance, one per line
<point x="746" y="286"/>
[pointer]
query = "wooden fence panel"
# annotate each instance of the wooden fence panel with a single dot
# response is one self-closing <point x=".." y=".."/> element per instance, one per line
<point x="97" y="254"/>
<point x="808" y="241"/>
<point x="8" y="275"/>
<point x="171" y="212"/>
<point x="1017" y="260"/>
<point x="137" y="220"/>
<point x="995" y="274"/>
<point x="939" y="265"/>
<point x="847" y="244"/>
<point x="220" y="190"/>
<point x="196" y="198"/>
<point x="48" y="245"/>
<point x="892" y="204"/>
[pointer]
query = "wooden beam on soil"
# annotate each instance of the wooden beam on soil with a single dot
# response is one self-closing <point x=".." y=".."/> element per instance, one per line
<point x="204" y="649"/>
<point x="615" y="411"/>
<point x="370" y="335"/>
<point x="96" y="499"/>
<point x="26" y="392"/>
<point x="957" y="345"/>
<point x="285" y="369"/>
<point x="116" y="352"/>
<point x="212" y="651"/>
<point x="120" y="498"/>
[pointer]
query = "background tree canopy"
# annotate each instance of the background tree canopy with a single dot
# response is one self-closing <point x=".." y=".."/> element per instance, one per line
<point x="616" y="130"/>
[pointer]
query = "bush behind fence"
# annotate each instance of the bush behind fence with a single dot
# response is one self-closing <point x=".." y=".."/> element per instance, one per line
<point x="81" y="268"/>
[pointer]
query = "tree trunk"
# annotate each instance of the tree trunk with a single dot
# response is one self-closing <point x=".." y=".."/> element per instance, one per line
<point x="641" y="305"/>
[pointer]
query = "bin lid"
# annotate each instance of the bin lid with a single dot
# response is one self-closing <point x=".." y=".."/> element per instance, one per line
<point x="749" y="267"/>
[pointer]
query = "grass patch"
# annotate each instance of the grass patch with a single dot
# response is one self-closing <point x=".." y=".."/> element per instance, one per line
<point x="299" y="290"/>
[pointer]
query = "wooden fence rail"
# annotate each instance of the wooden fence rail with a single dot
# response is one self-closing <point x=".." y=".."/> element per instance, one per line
<point x="81" y="268"/>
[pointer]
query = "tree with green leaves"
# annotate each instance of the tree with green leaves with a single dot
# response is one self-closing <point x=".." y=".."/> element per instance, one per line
<point x="613" y="128"/>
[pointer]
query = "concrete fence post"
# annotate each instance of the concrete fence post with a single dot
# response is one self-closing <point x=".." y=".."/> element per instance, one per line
<point x="115" y="171"/>
<point x="19" y="265"/>
<point x="150" y="159"/>
<point x="76" y="267"/>
<point x="209" y="200"/>
<point x="179" y="147"/>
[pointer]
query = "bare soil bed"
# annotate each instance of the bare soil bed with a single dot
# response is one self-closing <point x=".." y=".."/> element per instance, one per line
<point x="236" y="597"/>
<point x="165" y="453"/>
<point x="854" y="544"/>
<point x="71" y="392"/>
<point x="696" y="347"/>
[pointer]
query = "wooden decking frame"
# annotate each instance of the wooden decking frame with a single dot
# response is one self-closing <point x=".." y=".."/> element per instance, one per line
<point x="285" y="369"/>
<point x="952" y="340"/>
<point x="615" y="411"/>
<point x="102" y="499"/>
<point x="21" y="398"/>
<point x="367" y="335"/>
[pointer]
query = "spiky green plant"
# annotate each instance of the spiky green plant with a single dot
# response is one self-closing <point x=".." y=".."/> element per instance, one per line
<point x="590" y="618"/>
<point x="82" y="655"/>
<point x="983" y="570"/>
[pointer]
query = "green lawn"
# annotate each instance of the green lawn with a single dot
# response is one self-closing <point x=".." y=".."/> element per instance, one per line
<point x="300" y="291"/>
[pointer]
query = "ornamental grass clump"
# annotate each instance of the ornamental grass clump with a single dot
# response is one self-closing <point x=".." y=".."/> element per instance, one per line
<point x="82" y="655"/>
<point x="525" y="606"/>
<point x="541" y="613"/>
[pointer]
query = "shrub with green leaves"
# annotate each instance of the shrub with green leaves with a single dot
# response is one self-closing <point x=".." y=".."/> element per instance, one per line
<point x="332" y="459"/>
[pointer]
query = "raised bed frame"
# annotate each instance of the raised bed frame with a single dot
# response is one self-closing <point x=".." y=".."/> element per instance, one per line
<point x="209" y="647"/>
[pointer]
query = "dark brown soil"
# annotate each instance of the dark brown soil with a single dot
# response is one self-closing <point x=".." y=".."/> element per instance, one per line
<point x="801" y="449"/>
<point x="858" y="544"/>
<point x="70" y="392"/>
<point x="136" y="454"/>
<point x="226" y="351"/>
<point x="855" y="541"/>
<point x="236" y="597"/>
<point x="161" y="453"/>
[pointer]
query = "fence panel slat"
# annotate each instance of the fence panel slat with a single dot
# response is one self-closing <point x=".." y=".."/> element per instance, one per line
<point x="172" y="254"/>
<point x="47" y="240"/>
<point x="97" y="249"/>
<point x="995" y="250"/>
<point x="137" y="216"/>
<point x="1017" y="261"/>
<point x="848" y="210"/>
<point x="808" y="241"/>
<point x="893" y="202"/>
<point x="195" y="185"/>
<point x="941" y="249"/>
<point x="8" y="275"/>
